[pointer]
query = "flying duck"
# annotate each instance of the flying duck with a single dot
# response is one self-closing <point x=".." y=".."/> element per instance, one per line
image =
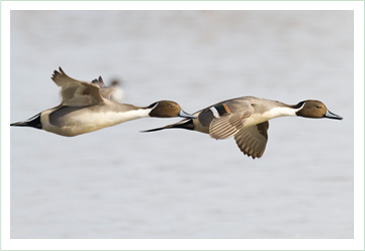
<point x="87" y="107"/>
<point x="247" y="120"/>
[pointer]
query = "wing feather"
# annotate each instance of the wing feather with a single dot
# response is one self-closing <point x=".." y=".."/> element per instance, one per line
<point x="75" y="92"/>
<point x="252" y="140"/>
<point x="227" y="125"/>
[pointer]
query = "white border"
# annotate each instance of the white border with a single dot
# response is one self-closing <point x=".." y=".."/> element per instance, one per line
<point x="150" y="244"/>
<point x="359" y="123"/>
<point x="181" y="5"/>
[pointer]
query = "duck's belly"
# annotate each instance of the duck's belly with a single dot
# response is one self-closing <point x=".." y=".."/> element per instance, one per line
<point x="72" y="121"/>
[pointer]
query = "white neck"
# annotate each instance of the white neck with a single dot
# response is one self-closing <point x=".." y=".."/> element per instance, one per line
<point x="280" y="112"/>
<point x="131" y="115"/>
<point x="283" y="111"/>
<point x="275" y="112"/>
<point x="104" y="119"/>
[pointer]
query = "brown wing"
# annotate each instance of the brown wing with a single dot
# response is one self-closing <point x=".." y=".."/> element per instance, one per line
<point x="105" y="91"/>
<point x="252" y="140"/>
<point x="75" y="92"/>
<point x="227" y="125"/>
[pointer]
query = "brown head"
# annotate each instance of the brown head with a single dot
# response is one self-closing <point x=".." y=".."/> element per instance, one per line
<point x="168" y="109"/>
<point x="314" y="109"/>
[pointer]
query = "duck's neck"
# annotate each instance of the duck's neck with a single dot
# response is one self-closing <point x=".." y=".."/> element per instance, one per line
<point x="119" y="114"/>
<point x="281" y="112"/>
<point x="275" y="112"/>
<point x="123" y="116"/>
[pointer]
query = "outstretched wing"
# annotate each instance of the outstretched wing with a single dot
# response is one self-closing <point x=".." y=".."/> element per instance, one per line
<point x="252" y="140"/>
<point x="105" y="91"/>
<point x="75" y="92"/>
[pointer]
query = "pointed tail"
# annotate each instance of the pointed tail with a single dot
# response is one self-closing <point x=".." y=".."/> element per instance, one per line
<point x="183" y="124"/>
<point x="34" y="121"/>
<point x="22" y="123"/>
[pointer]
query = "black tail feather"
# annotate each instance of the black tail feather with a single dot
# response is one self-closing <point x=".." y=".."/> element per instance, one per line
<point x="34" y="121"/>
<point x="156" y="129"/>
<point x="184" y="124"/>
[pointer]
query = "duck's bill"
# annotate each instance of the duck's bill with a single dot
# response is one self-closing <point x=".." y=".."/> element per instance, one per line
<point x="331" y="115"/>
<point x="183" y="114"/>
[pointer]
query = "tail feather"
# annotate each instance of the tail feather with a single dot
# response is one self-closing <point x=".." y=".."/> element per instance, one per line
<point x="34" y="121"/>
<point x="184" y="124"/>
<point x="22" y="123"/>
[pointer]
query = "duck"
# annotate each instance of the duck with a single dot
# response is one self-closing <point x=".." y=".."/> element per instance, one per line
<point x="247" y="120"/>
<point x="87" y="107"/>
<point x="118" y="95"/>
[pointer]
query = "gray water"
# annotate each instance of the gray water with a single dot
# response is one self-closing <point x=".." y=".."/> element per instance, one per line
<point x="120" y="183"/>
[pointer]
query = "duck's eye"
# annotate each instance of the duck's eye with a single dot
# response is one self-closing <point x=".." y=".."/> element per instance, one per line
<point x="172" y="106"/>
<point x="318" y="106"/>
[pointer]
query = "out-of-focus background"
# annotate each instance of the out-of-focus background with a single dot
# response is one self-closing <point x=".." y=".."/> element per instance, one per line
<point x="120" y="183"/>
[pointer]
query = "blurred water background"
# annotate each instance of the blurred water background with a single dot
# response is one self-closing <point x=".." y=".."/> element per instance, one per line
<point x="120" y="183"/>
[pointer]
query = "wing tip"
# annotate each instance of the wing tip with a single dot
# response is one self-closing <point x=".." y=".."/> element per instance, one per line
<point x="57" y="74"/>
<point x="98" y="81"/>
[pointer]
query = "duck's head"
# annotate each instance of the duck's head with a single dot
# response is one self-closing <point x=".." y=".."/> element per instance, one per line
<point x="168" y="109"/>
<point x="314" y="109"/>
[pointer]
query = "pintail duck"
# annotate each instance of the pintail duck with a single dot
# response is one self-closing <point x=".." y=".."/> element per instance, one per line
<point x="246" y="118"/>
<point x="118" y="94"/>
<point x="87" y="107"/>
